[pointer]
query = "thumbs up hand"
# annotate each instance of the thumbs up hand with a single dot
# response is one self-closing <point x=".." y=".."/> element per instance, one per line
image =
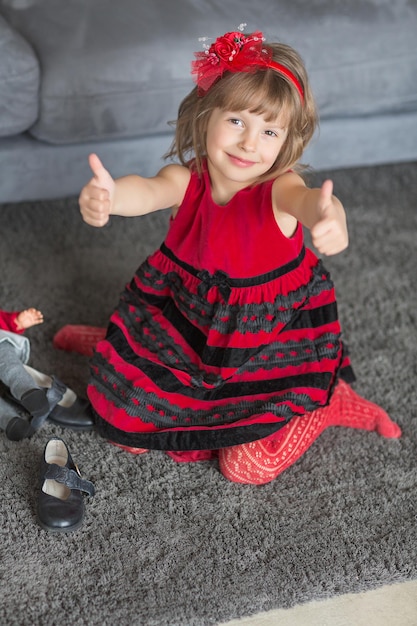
<point x="329" y="234"/>
<point x="96" y="198"/>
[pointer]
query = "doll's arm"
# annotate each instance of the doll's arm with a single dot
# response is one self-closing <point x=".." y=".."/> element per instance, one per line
<point x="19" y="321"/>
<point x="27" y="318"/>
<point x="8" y="321"/>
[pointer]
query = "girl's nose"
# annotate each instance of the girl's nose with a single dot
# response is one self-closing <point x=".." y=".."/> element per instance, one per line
<point x="248" y="142"/>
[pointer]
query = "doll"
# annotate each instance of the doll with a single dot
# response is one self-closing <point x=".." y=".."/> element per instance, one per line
<point x="32" y="397"/>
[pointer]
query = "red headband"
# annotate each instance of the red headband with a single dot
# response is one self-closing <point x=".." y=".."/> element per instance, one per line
<point x="235" y="52"/>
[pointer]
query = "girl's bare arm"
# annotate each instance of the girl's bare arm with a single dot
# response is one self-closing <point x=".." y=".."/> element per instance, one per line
<point x="317" y="209"/>
<point x="130" y="195"/>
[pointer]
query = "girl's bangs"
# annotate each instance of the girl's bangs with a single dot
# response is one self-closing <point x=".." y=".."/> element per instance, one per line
<point x="255" y="93"/>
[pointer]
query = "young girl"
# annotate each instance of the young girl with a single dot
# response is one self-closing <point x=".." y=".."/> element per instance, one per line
<point x="227" y="341"/>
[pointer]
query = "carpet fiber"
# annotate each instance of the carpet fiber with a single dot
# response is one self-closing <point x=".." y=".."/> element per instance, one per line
<point x="167" y="544"/>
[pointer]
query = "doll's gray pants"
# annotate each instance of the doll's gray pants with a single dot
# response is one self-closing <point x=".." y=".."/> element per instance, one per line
<point x="14" y="353"/>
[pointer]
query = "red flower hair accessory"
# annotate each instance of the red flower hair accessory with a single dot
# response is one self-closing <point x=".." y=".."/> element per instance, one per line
<point x="236" y="52"/>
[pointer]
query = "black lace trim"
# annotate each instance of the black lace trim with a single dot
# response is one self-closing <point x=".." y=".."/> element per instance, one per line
<point x="161" y="412"/>
<point x="221" y="316"/>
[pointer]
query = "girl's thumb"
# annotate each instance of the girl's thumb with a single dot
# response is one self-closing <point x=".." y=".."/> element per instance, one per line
<point x="97" y="167"/>
<point x="326" y="192"/>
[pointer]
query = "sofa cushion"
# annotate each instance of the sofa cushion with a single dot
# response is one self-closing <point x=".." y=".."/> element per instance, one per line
<point x="19" y="82"/>
<point x="119" y="69"/>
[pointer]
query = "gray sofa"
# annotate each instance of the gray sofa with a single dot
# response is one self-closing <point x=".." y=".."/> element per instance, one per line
<point x="97" y="75"/>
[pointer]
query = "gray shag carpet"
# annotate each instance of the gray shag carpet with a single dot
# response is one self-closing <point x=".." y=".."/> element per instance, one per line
<point x="167" y="544"/>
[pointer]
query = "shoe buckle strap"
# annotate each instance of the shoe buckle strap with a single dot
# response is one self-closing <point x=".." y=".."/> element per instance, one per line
<point x="54" y="395"/>
<point x="70" y="478"/>
<point x="56" y="392"/>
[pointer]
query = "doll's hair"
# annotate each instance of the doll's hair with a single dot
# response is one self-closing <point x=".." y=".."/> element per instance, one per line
<point x="264" y="91"/>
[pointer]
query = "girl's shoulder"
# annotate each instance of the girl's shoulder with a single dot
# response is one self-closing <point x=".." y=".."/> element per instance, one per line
<point x="284" y="185"/>
<point x="174" y="180"/>
<point x="177" y="177"/>
<point x="177" y="173"/>
<point x="281" y="196"/>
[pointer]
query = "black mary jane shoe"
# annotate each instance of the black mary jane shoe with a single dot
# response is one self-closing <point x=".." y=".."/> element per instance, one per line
<point x="76" y="416"/>
<point x="61" y="502"/>
<point x="19" y="428"/>
<point x="57" y="404"/>
<point x="35" y="403"/>
<point x="66" y="408"/>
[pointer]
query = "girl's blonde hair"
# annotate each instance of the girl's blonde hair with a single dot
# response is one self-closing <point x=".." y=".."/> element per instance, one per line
<point x="264" y="91"/>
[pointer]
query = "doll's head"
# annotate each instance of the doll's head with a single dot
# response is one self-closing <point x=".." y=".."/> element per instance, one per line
<point x="240" y="72"/>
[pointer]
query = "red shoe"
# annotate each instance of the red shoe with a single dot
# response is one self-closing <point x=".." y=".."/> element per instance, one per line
<point x="129" y="448"/>
<point x="78" y="338"/>
<point x="192" y="456"/>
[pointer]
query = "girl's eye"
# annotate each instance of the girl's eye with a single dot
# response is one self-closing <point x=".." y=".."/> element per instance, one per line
<point x="235" y="121"/>
<point x="271" y="133"/>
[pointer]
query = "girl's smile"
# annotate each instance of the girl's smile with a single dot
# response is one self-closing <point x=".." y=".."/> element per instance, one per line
<point x="241" y="146"/>
<point x="240" y="162"/>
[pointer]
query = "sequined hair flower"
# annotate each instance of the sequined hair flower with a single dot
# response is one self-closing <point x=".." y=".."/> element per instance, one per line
<point x="235" y="52"/>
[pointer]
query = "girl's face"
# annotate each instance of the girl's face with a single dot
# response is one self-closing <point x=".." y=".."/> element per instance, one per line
<point x="241" y="147"/>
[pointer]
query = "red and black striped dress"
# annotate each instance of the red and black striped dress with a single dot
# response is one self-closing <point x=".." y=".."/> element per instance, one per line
<point x="224" y="334"/>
